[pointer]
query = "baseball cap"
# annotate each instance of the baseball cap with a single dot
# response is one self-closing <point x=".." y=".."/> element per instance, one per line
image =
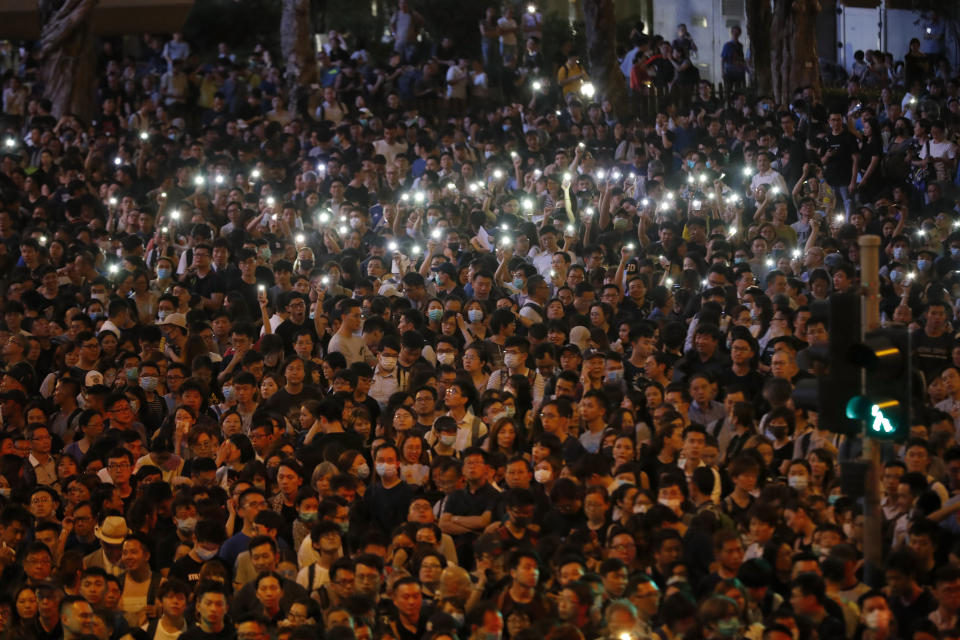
<point x="92" y="379"/>
<point x="447" y="268"/>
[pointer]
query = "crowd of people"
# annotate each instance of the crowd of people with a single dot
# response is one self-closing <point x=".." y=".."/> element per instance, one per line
<point x="389" y="358"/>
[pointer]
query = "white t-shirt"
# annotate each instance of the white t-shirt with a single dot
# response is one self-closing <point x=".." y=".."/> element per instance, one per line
<point x="456" y="90"/>
<point x="945" y="149"/>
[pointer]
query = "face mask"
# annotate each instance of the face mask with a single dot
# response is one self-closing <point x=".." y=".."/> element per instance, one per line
<point x="163" y="274"/>
<point x="833" y="260"/>
<point x="497" y="417"/>
<point x="363" y="471"/>
<point x="6" y="492"/>
<point x="955" y="252"/>
<point x="307" y="265"/>
<point x="923" y="265"/>
<point x="308" y="516"/>
<point x="877" y="619"/>
<point x="640" y="508"/>
<point x="797" y="482"/>
<point x="454" y="246"/>
<point x="510" y="411"/>
<point x="474" y="315"/>
<point x="488" y="154"/>
<point x="517" y="283"/>
<point x="457" y="617"/>
<point x="204" y="554"/>
<point x="149" y="383"/>
<point x="130" y="373"/>
<point x="896" y="276"/>
<point x="265" y="253"/>
<point x="432" y="220"/>
<point x="779" y="432"/>
<point x="898" y="253"/>
<point x="672" y="503"/>
<point x="161" y="315"/>
<point x="728" y="628"/>
<point x="512" y="360"/>
<point x="97" y="315"/>
<point x="739" y="260"/>
<point x="832" y="499"/>
<point x="187" y="525"/>
<point x="448" y="440"/>
<point x="354" y="223"/>
<point x="621" y="224"/>
<point x="614" y="377"/>
<point x="388" y="363"/>
<point x="435" y="315"/>
<point x="543" y="476"/>
<point x="385" y="470"/>
<point x="691" y="164"/>
<point x="446" y="358"/>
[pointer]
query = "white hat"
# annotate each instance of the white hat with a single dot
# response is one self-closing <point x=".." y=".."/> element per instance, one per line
<point x="93" y="379"/>
<point x="113" y="530"/>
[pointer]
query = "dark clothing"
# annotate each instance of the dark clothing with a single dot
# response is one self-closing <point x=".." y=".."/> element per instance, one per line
<point x="282" y="401"/>
<point x="931" y="353"/>
<point x="188" y="570"/>
<point x="839" y="168"/>
<point x="385" y="508"/>
<point x="908" y="614"/>
<point x="196" y="633"/>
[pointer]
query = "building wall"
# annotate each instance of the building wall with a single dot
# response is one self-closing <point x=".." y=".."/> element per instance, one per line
<point x="709" y="23"/>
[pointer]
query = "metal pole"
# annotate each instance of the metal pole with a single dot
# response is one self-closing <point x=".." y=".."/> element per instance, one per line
<point x="872" y="513"/>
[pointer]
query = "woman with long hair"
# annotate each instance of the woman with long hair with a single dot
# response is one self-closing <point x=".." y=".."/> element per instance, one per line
<point x="476" y="363"/>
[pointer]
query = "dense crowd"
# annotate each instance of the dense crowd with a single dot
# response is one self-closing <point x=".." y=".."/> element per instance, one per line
<point x="449" y="346"/>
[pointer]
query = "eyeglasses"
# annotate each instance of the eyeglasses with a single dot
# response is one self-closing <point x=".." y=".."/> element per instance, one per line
<point x="118" y="466"/>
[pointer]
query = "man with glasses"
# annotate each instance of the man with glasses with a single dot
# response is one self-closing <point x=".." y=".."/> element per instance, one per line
<point x="250" y="503"/>
<point x="43" y="467"/>
<point x="203" y="280"/>
<point x="296" y="305"/>
<point x="121" y="415"/>
<point x="643" y="592"/>
<point x="89" y="352"/>
<point x="120" y="469"/>
<point x="82" y="537"/>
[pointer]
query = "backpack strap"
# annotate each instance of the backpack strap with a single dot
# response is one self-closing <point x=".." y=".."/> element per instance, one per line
<point x="311" y="575"/>
<point x="475" y="431"/>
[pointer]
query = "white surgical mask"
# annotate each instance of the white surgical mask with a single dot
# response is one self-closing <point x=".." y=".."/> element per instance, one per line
<point x="446" y="358"/>
<point x="388" y="363"/>
<point x="512" y="360"/>
<point x="543" y="476"/>
<point x="797" y="482"/>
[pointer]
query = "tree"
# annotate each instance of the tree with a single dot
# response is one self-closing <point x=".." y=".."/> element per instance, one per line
<point x="601" y="33"/>
<point x="794" y="61"/>
<point x="758" y="29"/>
<point x="68" y="56"/>
<point x="295" y="43"/>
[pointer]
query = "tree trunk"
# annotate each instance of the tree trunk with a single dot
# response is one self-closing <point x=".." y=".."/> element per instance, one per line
<point x="297" y="49"/>
<point x="758" y="29"/>
<point x="68" y="57"/>
<point x="601" y="32"/>
<point x="794" y="62"/>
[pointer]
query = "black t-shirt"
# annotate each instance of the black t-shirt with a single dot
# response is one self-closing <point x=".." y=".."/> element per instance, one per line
<point x="282" y="401"/>
<point x="196" y="633"/>
<point x="931" y="353"/>
<point x="839" y="167"/>
<point x="188" y="570"/>
<point x="207" y="285"/>
<point x="288" y="327"/>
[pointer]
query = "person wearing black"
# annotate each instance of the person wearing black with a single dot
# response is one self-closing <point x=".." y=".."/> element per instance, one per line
<point x="212" y="604"/>
<point x="840" y="157"/>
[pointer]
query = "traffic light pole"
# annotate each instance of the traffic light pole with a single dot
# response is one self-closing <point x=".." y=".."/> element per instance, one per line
<point x="873" y="515"/>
